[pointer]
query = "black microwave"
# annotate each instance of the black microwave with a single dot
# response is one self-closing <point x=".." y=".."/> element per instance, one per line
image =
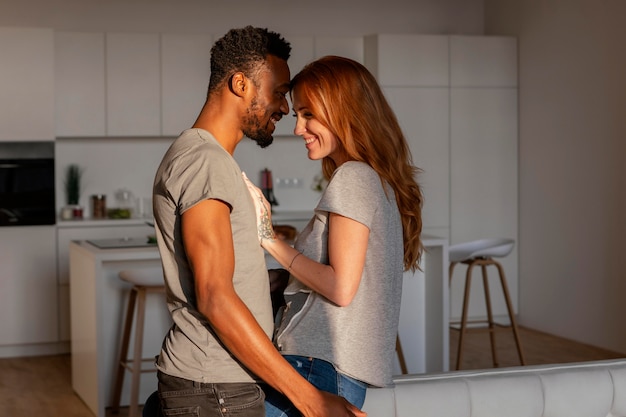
<point x="27" y="191"/>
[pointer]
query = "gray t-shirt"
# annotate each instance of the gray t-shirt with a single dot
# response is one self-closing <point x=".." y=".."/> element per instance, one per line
<point x="358" y="339"/>
<point x="197" y="168"/>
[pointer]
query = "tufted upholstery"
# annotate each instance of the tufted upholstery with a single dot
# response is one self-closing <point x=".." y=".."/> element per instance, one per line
<point x="588" y="389"/>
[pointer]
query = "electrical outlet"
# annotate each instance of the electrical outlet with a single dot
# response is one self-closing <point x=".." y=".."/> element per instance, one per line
<point x="289" y="182"/>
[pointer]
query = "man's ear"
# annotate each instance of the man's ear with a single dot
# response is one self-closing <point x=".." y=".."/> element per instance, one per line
<point x="238" y="84"/>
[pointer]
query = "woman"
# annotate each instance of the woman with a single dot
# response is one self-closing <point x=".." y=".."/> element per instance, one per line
<point x="340" y="321"/>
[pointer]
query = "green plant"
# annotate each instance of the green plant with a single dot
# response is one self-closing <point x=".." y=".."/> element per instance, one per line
<point x="73" y="175"/>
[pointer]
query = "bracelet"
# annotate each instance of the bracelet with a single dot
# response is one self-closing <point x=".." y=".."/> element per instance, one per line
<point x="294" y="258"/>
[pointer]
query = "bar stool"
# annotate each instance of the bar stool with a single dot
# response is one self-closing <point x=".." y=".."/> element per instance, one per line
<point x="481" y="253"/>
<point x="144" y="281"/>
<point x="400" y="354"/>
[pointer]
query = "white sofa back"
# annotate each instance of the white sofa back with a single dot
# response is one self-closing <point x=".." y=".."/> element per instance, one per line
<point x="587" y="389"/>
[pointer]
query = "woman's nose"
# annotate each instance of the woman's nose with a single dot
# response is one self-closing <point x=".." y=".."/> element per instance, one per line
<point x="299" y="129"/>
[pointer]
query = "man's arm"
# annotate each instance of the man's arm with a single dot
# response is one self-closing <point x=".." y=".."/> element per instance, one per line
<point x="207" y="237"/>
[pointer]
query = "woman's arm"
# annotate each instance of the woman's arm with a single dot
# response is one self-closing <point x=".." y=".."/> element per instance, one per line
<point x="347" y="246"/>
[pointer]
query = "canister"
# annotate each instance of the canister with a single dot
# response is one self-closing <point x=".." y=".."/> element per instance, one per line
<point x="98" y="206"/>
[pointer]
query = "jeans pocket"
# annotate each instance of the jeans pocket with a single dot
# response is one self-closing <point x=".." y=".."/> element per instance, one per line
<point x="241" y="399"/>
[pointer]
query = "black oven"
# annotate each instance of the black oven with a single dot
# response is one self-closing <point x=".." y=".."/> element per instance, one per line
<point x="27" y="190"/>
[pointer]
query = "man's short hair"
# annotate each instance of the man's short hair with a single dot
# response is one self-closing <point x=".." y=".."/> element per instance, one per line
<point x="243" y="50"/>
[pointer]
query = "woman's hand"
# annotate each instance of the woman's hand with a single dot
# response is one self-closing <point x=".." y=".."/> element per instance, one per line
<point x="263" y="212"/>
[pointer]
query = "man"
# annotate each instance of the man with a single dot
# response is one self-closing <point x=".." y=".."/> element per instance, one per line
<point x="215" y="273"/>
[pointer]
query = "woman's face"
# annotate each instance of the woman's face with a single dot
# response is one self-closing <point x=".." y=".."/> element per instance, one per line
<point x="318" y="139"/>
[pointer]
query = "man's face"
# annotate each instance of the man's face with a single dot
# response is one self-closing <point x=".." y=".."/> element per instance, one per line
<point x="268" y="103"/>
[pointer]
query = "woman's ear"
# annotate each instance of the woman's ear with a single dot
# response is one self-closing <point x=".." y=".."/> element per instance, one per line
<point x="238" y="84"/>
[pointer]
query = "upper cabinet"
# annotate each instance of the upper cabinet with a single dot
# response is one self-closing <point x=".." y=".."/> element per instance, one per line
<point x="26" y="84"/>
<point x="185" y="71"/>
<point x="413" y="71"/>
<point x="408" y="60"/>
<point x="483" y="61"/>
<point x="129" y="84"/>
<point x="133" y="74"/>
<point x="79" y="83"/>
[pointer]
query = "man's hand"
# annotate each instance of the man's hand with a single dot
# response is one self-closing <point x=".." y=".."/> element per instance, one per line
<point x="334" y="406"/>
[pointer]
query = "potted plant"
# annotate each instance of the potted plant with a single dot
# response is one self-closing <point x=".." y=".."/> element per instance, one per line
<point x="72" y="210"/>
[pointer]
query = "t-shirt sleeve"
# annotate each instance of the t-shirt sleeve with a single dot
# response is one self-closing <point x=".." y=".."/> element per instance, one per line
<point x="353" y="191"/>
<point x="200" y="176"/>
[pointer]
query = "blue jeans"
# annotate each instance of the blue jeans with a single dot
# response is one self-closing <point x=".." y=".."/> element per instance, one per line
<point x="322" y="375"/>
<point x="184" y="398"/>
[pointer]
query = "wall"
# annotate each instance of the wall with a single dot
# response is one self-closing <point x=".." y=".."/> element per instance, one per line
<point x="113" y="163"/>
<point x="572" y="158"/>
<point x="322" y="17"/>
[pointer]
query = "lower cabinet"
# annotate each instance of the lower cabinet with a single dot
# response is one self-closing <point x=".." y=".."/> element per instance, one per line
<point x="28" y="288"/>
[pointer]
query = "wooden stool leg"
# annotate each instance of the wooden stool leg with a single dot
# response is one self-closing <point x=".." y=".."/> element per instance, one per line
<point x="400" y="353"/>
<point x="466" y="297"/>
<point x="509" y="307"/>
<point x="138" y="354"/>
<point x="123" y="356"/>
<point x="492" y="335"/>
<point x="450" y="271"/>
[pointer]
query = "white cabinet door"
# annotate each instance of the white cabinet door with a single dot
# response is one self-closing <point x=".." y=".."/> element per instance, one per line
<point x="26" y="84"/>
<point x="408" y="60"/>
<point x="79" y="83"/>
<point x="423" y="114"/>
<point x="67" y="234"/>
<point x="185" y="71"/>
<point x="28" y="285"/>
<point x="483" y="61"/>
<point x="484" y="191"/>
<point x="133" y="84"/>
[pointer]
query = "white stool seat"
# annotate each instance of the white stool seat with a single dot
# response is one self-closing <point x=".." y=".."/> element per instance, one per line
<point x="482" y="248"/>
<point x="144" y="277"/>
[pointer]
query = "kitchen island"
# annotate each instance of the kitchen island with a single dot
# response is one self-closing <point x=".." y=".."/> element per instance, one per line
<point x="98" y="301"/>
<point x="98" y="304"/>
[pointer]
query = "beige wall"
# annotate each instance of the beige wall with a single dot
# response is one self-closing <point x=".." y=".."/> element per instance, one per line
<point x="572" y="150"/>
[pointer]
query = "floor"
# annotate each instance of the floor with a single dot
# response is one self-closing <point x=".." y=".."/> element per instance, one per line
<point x="41" y="386"/>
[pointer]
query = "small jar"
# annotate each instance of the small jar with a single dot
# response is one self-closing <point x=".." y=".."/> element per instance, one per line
<point x="98" y="206"/>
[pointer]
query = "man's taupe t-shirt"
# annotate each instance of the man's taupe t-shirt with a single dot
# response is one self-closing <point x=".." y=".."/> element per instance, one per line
<point x="197" y="168"/>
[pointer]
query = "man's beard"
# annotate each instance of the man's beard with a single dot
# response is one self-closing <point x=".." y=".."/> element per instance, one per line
<point x="254" y="130"/>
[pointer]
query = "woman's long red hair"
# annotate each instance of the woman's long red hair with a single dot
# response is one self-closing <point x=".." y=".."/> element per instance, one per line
<point x="345" y="97"/>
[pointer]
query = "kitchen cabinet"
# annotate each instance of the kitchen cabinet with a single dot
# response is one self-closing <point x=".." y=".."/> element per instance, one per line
<point x="26" y="84"/>
<point x="133" y="78"/>
<point x="99" y="299"/>
<point x="413" y="72"/>
<point x="409" y="60"/>
<point x="185" y="71"/>
<point x="456" y="101"/>
<point x="74" y="231"/>
<point x="80" y="84"/>
<point x="483" y="61"/>
<point x="424" y="116"/>
<point x="28" y="290"/>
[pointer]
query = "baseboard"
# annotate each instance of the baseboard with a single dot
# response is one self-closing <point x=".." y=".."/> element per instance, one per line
<point x="40" y="349"/>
